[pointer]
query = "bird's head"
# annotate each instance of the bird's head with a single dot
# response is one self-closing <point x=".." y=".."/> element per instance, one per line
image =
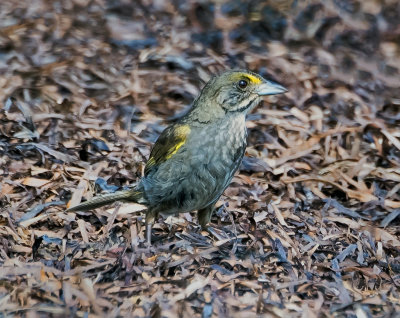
<point x="237" y="91"/>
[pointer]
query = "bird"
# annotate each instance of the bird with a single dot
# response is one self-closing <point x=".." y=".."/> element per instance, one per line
<point x="194" y="159"/>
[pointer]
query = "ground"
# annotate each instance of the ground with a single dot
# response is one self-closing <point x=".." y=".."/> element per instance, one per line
<point x="310" y="224"/>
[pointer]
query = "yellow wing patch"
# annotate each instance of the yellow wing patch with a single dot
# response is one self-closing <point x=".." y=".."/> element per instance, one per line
<point x="181" y="133"/>
<point x="168" y="144"/>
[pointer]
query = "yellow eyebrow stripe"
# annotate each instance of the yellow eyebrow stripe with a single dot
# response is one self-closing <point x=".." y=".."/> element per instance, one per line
<point x="253" y="79"/>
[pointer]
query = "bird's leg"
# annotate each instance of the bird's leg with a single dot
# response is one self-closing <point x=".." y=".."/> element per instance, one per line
<point x="148" y="233"/>
<point x="150" y="217"/>
<point x="204" y="215"/>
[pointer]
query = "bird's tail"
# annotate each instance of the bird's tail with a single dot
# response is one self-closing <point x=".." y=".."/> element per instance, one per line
<point x="123" y="195"/>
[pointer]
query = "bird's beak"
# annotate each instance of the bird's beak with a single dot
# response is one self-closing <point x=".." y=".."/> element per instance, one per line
<point x="270" y="88"/>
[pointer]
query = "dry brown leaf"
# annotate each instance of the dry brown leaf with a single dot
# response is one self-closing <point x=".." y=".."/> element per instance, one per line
<point x="34" y="182"/>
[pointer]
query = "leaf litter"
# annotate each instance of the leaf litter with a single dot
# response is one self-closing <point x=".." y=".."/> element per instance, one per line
<point x="310" y="224"/>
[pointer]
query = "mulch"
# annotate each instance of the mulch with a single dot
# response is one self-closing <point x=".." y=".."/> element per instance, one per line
<point x="310" y="224"/>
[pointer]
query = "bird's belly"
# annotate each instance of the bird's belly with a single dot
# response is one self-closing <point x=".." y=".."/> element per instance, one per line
<point x="200" y="187"/>
<point x="197" y="176"/>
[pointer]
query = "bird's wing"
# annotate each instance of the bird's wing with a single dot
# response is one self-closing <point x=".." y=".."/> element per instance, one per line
<point x="169" y="142"/>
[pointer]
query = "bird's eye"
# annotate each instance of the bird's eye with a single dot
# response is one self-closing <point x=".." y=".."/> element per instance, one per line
<point x="242" y="84"/>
